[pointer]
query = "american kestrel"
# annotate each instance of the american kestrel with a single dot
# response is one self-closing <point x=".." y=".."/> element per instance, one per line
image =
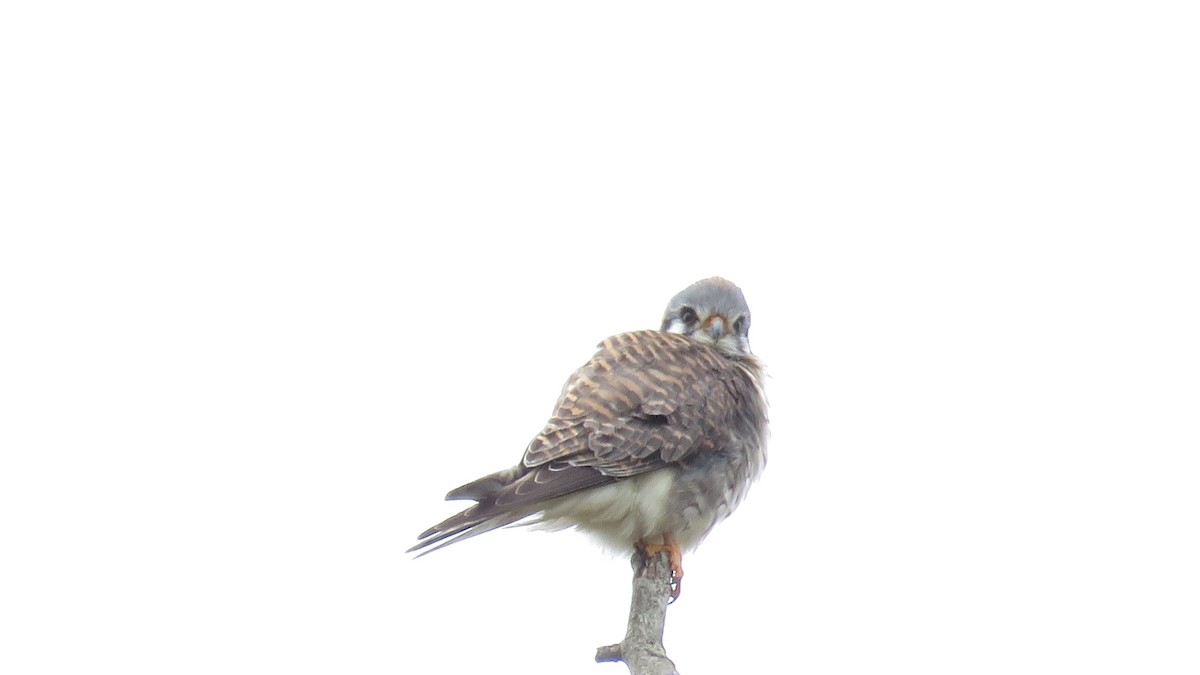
<point x="653" y="441"/>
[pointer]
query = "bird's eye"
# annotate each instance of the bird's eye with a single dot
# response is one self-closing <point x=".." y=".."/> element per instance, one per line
<point x="739" y="325"/>
<point x="688" y="315"/>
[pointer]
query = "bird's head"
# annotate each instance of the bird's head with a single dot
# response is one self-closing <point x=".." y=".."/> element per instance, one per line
<point x="714" y="312"/>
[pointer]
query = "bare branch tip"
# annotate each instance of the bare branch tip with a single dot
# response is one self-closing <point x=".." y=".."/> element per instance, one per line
<point x="609" y="654"/>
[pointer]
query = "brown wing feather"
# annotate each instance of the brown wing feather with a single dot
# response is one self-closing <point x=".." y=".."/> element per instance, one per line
<point x="646" y="400"/>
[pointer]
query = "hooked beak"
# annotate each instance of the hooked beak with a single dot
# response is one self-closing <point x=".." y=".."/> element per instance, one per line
<point x="716" y="326"/>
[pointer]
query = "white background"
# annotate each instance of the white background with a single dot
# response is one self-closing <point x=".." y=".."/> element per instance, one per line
<point x="275" y="276"/>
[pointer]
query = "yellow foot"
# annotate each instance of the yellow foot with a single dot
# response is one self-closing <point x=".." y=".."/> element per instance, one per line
<point x="675" y="555"/>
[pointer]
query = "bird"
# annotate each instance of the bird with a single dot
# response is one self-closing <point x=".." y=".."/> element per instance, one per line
<point x="652" y="442"/>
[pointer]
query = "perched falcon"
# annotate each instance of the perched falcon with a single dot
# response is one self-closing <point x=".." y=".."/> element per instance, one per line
<point x="654" y="441"/>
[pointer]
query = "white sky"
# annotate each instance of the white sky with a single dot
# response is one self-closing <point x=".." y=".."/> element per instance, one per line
<point x="275" y="276"/>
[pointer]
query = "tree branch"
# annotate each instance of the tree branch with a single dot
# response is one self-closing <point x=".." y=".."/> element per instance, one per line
<point x="642" y="649"/>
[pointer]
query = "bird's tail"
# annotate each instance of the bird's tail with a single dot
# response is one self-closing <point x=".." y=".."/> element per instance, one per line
<point x="484" y="516"/>
<point x="458" y="528"/>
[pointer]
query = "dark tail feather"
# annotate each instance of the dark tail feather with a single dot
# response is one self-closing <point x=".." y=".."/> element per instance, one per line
<point x="498" y="505"/>
<point x="481" y="489"/>
<point x="460" y="527"/>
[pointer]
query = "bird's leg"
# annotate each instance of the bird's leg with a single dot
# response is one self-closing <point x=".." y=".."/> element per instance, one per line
<point x="675" y="555"/>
